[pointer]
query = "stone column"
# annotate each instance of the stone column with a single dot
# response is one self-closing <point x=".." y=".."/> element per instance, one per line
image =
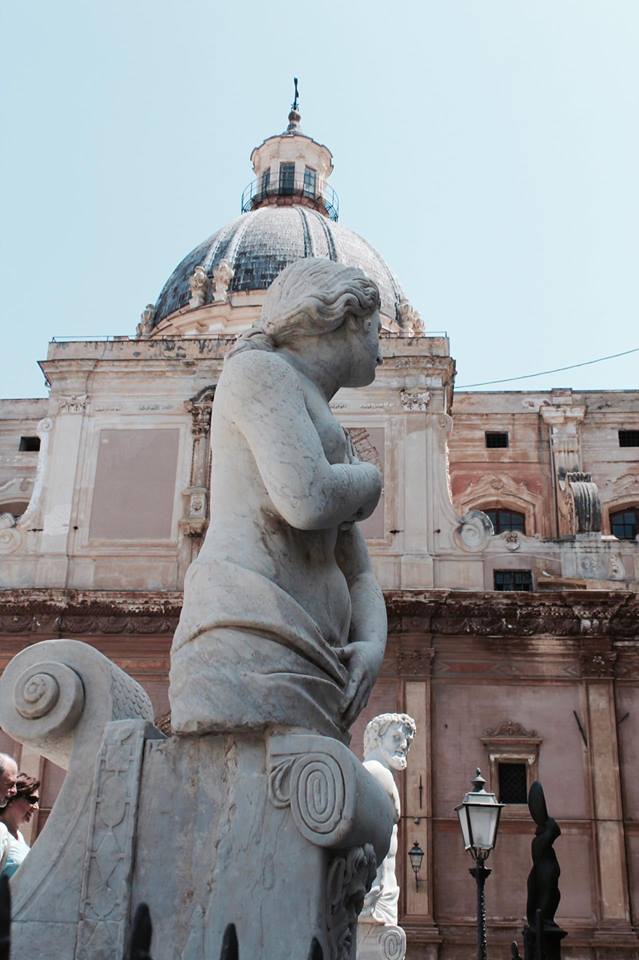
<point x="196" y="496"/>
<point x="613" y="908"/>
<point x="417" y="825"/>
<point x="59" y="487"/>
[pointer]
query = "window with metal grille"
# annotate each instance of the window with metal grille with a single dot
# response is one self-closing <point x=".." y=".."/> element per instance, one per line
<point x="624" y="524"/>
<point x="513" y="783"/>
<point x="629" y="438"/>
<point x="265" y="181"/>
<point x="513" y="580"/>
<point x="287" y="178"/>
<point x="29" y="444"/>
<point x="496" y="439"/>
<point x="310" y="182"/>
<point x="503" y="519"/>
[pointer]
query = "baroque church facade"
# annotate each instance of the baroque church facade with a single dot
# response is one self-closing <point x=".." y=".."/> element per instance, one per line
<point x="505" y="542"/>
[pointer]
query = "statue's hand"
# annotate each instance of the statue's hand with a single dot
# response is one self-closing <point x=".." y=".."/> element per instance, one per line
<point x="363" y="663"/>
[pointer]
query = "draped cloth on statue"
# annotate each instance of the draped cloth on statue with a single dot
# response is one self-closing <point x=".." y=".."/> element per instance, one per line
<point x="247" y="656"/>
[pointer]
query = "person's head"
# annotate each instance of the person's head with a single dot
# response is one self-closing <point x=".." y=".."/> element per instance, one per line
<point x="21" y="807"/>
<point x="388" y="737"/>
<point x="8" y="774"/>
<point x="313" y="297"/>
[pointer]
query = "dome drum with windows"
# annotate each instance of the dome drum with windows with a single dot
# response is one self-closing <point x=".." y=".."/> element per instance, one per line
<point x="289" y="212"/>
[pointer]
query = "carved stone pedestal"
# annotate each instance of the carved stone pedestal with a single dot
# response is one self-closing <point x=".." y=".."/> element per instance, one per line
<point x="268" y="841"/>
<point x="377" y="941"/>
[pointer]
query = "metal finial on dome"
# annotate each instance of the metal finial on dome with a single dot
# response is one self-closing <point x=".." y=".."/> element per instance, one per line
<point x="294" y="116"/>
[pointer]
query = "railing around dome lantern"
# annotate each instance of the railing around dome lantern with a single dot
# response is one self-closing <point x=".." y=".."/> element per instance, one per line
<point x="283" y="191"/>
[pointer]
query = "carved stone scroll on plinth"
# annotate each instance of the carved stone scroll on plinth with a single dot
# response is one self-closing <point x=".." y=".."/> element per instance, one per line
<point x="275" y="838"/>
<point x="59" y="697"/>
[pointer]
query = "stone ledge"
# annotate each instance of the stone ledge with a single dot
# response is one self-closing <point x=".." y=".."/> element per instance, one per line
<point x="488" y="614"/>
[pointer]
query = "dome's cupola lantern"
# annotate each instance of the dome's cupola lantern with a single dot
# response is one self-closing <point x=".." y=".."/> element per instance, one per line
<point x="292" y="169"/>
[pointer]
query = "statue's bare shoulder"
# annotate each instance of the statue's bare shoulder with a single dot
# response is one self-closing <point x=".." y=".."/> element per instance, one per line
<point x="259" y="376"/>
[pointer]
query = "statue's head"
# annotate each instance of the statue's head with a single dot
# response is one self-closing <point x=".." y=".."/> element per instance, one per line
<point x="313" y="297"/>
<point x="388" y="737"/>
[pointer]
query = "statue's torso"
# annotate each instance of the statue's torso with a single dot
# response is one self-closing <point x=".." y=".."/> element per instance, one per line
<point x="248" y="530"/>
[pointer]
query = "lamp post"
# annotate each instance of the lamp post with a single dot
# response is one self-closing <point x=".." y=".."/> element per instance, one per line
<point x="478" y="815"/>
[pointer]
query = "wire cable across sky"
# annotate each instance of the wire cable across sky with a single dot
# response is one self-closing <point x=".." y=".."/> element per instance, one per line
<point x="542" y="373"/>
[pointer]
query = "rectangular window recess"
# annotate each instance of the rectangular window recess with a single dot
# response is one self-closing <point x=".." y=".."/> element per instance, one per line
<point x="508" y="580"/>
<point x="629" y="438"/>
<point x="29" y="444"/>
<point x="496" y="439"/>
<point x="513" y="783"/>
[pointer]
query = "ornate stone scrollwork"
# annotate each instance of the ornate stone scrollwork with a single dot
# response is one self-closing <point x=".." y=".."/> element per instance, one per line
<point x="414" y="401"/>
<point x="474" y="531"/>
<point x="73" y="404"/>
<point x="510" y="728"/>
<point x="329" y="793"/>
<point x="349" y="878"/>
<point x="10" y="537"/>
<point x="315" y="789"/>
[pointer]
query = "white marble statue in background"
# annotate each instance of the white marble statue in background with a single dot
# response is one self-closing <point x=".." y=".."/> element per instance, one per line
<point x="283" y="621"/>
<point x="387" y="740"/>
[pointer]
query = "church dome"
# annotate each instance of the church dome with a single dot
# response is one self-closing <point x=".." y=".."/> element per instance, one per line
<point x="259" y="244"/>
<point x="289" y="212"/>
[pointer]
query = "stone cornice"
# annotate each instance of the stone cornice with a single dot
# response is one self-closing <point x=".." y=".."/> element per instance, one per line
<point x="588" y="615"/>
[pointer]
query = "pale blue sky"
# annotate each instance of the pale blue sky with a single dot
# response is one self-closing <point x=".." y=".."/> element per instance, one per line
<point x="489" y="149"/>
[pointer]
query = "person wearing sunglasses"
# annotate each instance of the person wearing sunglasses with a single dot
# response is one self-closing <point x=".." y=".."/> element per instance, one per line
<point x="19" y="809"/>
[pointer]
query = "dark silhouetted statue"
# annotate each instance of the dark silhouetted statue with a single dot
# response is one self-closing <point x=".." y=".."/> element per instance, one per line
<point x="542" y="936"/>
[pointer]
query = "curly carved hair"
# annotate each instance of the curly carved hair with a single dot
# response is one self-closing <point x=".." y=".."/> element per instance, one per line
<point x="311" y="296"/>
<point x="378" y="726"/>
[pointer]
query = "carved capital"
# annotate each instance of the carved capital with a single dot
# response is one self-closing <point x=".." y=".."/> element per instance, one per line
<point x="414" y="401"/>
<point x="415" y="661"/>
<point x="598" y="664"/>
<point x="73" y="404"/>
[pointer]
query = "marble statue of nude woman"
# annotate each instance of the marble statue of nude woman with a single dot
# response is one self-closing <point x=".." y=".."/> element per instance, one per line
<point x="284" y="624"/>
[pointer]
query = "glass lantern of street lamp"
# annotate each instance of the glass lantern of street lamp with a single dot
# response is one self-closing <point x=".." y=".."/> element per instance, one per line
<point x="479" y="814"/>
<point x="416" y="855"/>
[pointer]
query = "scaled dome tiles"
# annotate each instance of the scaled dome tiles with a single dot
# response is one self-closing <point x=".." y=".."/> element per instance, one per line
<point x="260" y="244"/>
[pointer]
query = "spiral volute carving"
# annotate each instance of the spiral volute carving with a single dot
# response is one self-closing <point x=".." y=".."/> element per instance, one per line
<point x="49" y="694"/>
<point x="393" y="943"/>
<point x="36" y="695"/>
<point x="319" y="793"/>
<point x="474" y="531"/>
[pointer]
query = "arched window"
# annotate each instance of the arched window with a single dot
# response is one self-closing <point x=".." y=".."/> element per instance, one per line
<point x="624" y="524"/>
<point x="503" y="519"/>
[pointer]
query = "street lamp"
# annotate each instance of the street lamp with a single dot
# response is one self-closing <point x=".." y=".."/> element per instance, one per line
<point x="416" y="855"/>
<point x="478" y="815"/>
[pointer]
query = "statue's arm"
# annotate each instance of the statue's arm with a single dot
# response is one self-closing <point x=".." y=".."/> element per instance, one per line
<point x="364" y="652"/>
<point x="263" y="396"/>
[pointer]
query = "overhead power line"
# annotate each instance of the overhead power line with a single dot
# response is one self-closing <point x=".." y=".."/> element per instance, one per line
<point x="543" y="373"/>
